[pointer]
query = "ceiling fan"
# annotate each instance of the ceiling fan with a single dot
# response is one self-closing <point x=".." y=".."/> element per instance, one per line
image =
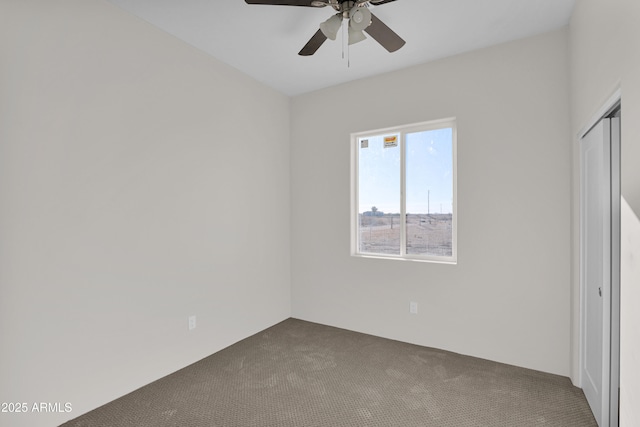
<point x="359" y="17"/>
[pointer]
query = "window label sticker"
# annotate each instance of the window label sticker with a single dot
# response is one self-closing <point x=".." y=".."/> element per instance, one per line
<point x="390" y="141"/>
<point x="364" y="143"/>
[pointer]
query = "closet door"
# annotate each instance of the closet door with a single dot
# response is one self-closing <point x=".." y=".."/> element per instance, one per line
<point x="595" y="268"/>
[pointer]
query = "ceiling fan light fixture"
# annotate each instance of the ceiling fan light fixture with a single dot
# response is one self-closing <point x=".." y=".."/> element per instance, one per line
<point x="331" y="26"/>
<point x="319" y="3"/>
<point x="355" y="36"/>
<point x="359" y="18"/>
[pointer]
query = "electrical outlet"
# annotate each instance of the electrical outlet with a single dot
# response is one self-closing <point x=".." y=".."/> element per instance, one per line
<point x="413" y="307"/>
<point x="192" y="322"/>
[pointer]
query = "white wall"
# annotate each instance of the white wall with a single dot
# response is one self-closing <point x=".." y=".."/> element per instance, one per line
<point x="605" y="55"/>
<point x="141" y="181"/>
<point x="507" y="299"/>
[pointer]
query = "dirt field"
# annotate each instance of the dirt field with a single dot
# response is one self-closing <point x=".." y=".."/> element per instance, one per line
<point x="426" y="234"/>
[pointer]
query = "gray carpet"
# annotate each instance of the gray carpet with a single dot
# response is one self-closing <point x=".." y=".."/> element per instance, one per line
<point x="298" y="373"/>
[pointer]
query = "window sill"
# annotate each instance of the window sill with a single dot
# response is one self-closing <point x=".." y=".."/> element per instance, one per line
<point x="410" y="259"/>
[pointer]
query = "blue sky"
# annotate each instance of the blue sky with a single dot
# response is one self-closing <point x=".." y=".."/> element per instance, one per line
<point x="429" y="168"/>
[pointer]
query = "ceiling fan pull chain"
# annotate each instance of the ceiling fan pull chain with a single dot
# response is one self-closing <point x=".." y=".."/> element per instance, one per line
<point x="343" y="39"/>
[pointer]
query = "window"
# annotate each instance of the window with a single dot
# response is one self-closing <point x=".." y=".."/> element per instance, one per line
<point x="404" y="192"/>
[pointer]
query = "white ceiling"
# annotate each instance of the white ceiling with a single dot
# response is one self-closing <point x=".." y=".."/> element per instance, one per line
<point x="264" y="41"/>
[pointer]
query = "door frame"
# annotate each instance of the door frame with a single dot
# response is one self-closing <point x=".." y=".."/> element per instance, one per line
<point x="616" y="194"/>
<point x="610" y="109"/>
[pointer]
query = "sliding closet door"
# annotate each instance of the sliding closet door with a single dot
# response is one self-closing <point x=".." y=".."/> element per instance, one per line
<point x="596" y="268"/>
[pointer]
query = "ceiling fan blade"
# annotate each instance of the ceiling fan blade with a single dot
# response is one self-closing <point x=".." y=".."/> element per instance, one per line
<point x="378" y="3"/>
<point x="282" y="2"/>
<point x="384" y="35"/>
<point x="313" y="44"/>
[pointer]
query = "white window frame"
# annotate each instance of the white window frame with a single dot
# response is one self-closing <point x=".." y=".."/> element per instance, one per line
<point x="402" y="131"/>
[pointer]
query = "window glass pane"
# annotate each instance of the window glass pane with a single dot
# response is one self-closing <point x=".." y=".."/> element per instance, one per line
<point x="379" y="194"/>
<point x="429" y="187"/>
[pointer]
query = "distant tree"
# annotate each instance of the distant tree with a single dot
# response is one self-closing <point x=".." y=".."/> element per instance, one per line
<point x="374" y="210"/>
